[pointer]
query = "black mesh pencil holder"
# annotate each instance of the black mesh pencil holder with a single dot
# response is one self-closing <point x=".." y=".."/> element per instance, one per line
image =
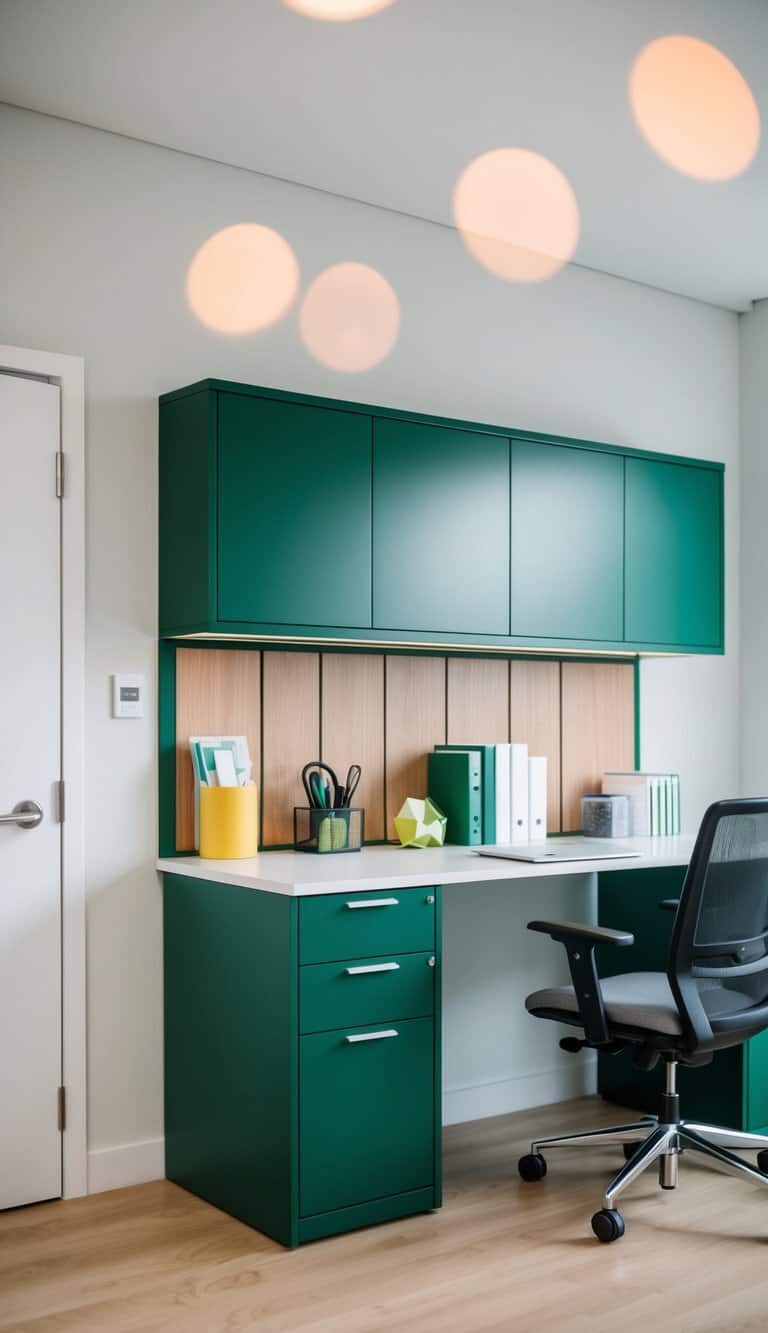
<point x="327" y="831"/>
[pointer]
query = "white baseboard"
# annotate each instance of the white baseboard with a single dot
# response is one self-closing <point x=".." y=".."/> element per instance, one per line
<point x="125" y="1164"/>
<point x="519" y="1093"/>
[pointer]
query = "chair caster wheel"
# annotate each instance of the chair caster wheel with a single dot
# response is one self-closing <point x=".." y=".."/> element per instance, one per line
<point x="629" y="1150"/>
<point x="532" y="1166"/>
<point x="608" y="1225"/>
<point x="762" y="1161"/>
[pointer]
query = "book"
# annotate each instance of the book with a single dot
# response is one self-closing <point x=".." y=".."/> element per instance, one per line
<point x="518" y="790"/>
<point x="488" y="767"/>
<point x="503" y="795"/>
<point x="537" y="797"/>
<point x="456" y="787"/>
<point x="654" y="800"/>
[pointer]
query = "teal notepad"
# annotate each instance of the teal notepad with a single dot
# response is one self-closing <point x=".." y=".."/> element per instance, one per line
<point x="488" y="769"/>
<point x="456" y="786"/>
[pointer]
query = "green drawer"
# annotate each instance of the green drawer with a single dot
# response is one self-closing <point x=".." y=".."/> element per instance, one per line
<point x="371" y="990"/>
<point x="367" y="1114"/>
<point x="366" y="925"/>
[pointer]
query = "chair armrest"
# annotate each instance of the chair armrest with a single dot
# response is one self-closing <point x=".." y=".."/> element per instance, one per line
<point x="564" y="931"/>
<point x="669" y="905"/>
<point x="580" y="944"/>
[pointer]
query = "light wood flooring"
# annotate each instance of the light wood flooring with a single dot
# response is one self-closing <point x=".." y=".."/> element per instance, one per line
<point x="500" y="1255"/>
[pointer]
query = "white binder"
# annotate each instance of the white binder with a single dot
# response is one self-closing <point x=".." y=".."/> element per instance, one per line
<point x="503" y="776"/>
<point x="518" y="792"/>
<point x="537" y="797"/>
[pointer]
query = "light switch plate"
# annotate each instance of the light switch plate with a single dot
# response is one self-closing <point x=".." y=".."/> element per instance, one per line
<point x="127" y="695"/>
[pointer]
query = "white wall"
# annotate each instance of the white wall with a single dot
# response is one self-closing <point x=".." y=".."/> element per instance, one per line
<point x="95" y="236"/>
<point x="754" y="548"/>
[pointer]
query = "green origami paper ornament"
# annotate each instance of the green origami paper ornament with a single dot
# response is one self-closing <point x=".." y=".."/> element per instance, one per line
<point x="420" y="823"/>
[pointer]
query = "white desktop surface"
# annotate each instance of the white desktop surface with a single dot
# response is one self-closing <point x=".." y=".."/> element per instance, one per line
<point x="299" y="874"/>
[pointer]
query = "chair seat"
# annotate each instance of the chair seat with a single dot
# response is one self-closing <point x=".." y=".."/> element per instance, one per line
<point x="640" y="1000"/>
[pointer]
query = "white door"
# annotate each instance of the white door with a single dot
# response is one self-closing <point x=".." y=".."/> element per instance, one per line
<point x="30" y="766"/>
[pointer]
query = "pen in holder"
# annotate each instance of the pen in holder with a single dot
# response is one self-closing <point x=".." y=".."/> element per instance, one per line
<point x="323" y="830"/>
<point x="229" y="822"/>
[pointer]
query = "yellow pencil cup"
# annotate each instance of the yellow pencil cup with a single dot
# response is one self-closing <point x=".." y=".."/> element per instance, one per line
<point x="229" y="822"/>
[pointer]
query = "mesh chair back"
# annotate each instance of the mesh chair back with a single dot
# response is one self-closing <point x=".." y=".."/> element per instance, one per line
<point x="718" y="962"/>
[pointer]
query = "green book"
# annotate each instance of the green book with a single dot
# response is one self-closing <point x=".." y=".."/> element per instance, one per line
<point x="456" y="786"/>
<point x="488" y="768"/>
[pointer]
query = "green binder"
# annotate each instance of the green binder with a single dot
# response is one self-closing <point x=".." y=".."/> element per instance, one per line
<point x="456" y="786"/>
<point x="488" y="769"/>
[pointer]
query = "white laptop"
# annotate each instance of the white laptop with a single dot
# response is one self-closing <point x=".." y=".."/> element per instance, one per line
<point x="560" y="849"/>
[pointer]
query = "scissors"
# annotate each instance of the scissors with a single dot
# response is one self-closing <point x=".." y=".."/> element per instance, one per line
<point x="354" y="774"/>
<point x="322" y="793"/>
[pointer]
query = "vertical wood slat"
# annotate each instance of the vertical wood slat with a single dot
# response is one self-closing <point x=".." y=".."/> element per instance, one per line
<point x="352" y="728"/>
<point x="415" y="723"/>
<point x="534" y="717"/>
<point x="218" y="693"/>
<point x="478" y="701"/>
<point x="291" y="738"/>
<point x="598" y="728"/>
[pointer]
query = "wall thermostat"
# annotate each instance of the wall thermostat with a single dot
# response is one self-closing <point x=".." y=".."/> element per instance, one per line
<point x="127" y="696"/>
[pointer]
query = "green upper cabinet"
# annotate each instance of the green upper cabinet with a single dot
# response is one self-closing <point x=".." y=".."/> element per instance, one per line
<point x="674" y="555"/>
<point x="567" y="542"/>
<point x="440" y="529"/>
<point x="294" y="513"/>
<point x="283" y="515"/>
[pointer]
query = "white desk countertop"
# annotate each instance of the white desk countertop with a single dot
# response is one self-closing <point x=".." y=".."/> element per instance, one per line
<point x="298" y="874"/>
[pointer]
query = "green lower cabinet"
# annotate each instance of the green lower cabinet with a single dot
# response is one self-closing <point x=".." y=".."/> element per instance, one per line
<point x="367" y="1114"/>
<point x="733" y="1090"/>
<point x="303" y="1136"/>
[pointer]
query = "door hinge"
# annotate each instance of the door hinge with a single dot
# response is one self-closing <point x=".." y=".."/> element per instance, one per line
<point x="61" y="801"/>
<point x="62" y="1108"/>
<point x="59" y="475"/>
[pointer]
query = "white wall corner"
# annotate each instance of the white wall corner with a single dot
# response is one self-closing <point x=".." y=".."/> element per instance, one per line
<point x="477" y="1101"/>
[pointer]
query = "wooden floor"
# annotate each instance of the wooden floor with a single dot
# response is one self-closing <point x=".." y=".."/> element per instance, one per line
<point x="500" y="1255"/>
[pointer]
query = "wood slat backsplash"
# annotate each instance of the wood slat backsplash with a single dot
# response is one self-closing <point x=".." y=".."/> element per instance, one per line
<point x="386" y="713"/>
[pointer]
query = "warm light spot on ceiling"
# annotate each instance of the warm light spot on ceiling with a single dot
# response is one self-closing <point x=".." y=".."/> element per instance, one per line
<point x="350" y="318"/>
<point x="517" y="214"/>
<point x="694" y="107"/>
<point x="242" y="279"/>
<point x="335" y="11"/>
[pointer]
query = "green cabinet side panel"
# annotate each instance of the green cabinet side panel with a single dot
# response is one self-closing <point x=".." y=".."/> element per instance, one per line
<point x="333" y="996"/>
<point x="367" y="1115"/>
<point x="231" y="1066"/>
<point x="674" y="554"/>
<point x="440" y="529"/>
<point x="756" y="1082"/>
<point x="400" y="921"/>
<point x="567" y="542"/>
<point x="294" y="513"/>
<point x="187" y="520"/>
<point x="629" y="900"/>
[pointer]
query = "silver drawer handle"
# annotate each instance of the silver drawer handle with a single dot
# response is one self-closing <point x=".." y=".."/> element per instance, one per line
<point x="372" y="1036"/>
<point x="375" y="902"/>
<point x="372" y="967"/>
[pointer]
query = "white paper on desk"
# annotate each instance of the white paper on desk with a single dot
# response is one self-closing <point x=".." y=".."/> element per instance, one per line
<point x="537" y="797"/>
<point x="225" y="768"/>
<point x="518" y="791"/>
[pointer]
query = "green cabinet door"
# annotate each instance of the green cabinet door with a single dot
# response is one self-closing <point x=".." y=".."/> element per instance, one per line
<point x="440" y="529"/>
<point x="294" y="513"/>
<point x="567" y="542"/>
<point x="367" y="1114"/>
<point x="674" y="553"/>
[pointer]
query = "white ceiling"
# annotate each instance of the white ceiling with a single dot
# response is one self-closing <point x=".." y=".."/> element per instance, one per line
<point x="389" y="109"/>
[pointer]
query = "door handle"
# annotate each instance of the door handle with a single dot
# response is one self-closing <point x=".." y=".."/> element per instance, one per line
<point x="27" y="814"/>
<point x="372" y="967"/>
<point x="372" y="1036"/>
<point x="374" y="902"/>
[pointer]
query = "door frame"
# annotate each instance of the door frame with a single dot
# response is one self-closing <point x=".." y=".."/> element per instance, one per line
<point x="68" y="372"/>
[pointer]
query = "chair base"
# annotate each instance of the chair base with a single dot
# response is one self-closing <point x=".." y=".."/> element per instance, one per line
<point x="658" y="1140"/>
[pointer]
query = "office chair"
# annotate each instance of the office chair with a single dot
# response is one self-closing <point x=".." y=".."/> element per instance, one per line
<point x="714" y="995"/>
